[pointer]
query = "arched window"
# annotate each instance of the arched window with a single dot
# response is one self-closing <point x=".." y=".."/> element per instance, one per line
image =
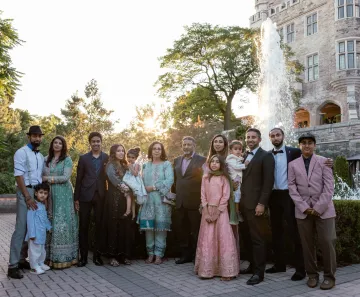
<point x="330" y="113"/>
<point x="302" y="118"/>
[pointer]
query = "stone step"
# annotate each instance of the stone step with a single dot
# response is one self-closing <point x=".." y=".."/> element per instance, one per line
<point x="7" y="203"/>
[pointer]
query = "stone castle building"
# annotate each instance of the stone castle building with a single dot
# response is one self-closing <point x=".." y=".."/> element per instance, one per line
<point x="325" y="37"/>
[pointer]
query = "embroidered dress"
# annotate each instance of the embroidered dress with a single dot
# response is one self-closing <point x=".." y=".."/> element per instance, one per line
<point x="154" y="214"/>
<point x="217" y="252"/>
<point x="117" y="235"/>
<point x="63" y="248"/>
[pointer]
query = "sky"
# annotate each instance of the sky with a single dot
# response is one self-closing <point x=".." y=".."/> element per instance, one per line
<point x="118" y="43"/>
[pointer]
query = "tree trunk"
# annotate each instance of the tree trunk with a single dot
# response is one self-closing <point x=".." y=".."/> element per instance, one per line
<point x="227" y="117"/>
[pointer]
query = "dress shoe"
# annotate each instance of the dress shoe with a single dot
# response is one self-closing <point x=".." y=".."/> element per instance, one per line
<point x="24" y="265"/>
<point x="254" y="280"/>
<point x="298" y="275"/>
<point x="98" y="261"/>
<point x="248" y="270"/>
<point x="183" y="260"/>
<point x="81" y="263"/>
<point x="15" y="273"/>
<point x="327" y="284"/>
<point x="312" y="282"/>
<point x="275" y="269"/>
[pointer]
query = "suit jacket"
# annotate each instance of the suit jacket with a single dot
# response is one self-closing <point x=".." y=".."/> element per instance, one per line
<point x="314" y="190"/>
<point x="258" y="180"/>
<point x="188" y="186"/>
<point x="87" y="182"/>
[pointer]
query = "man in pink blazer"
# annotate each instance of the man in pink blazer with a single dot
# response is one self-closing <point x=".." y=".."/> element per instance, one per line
<point x="311" y="187"/>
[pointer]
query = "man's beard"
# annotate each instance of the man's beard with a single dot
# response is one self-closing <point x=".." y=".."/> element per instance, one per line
<point x="279" y="145"/>
<point x="35" y="144"/>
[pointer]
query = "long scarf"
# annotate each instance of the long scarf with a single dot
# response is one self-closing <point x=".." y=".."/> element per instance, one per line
<point x="233" y="217"/>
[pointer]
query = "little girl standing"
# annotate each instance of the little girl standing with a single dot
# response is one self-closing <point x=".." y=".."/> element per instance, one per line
<point x="235" y="166"/>
<point x="216" y="253"/>
<point x="133" y="179"/>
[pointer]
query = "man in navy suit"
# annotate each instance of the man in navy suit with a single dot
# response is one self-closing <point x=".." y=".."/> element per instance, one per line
<point x="282" y="207"/>
<point x="89" y="194"/>
<point x="187" y="186"/>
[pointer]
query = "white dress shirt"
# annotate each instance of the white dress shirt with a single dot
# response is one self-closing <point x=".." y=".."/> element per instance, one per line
<point x="251" y="156"/>
<point x="29" y="164"/>
<point x="281" y="180"/>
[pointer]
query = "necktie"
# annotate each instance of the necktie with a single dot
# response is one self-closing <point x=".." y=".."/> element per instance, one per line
<point x="277" y="152"/>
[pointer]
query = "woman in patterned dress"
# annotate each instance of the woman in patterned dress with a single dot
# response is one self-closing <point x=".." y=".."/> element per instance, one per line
<point x="155" y="216"/>
<point x="63" y="248"/>
<point x="118" y="232"/>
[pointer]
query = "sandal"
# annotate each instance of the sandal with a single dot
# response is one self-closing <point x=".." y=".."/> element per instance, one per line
<point x="114" y="263"/>
<point x="127" y="262"/>
<point x="158" y="260"/>
<point x="150" y="259"/>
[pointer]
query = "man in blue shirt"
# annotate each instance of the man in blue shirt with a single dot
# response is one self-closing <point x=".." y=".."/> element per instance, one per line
<point x="28" y="166"/>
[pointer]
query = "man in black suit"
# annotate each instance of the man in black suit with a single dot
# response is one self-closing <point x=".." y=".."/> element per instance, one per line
<point x="187" y="186"/>
<point x="282" y="207"/>
<point x="89" y="194"/>
<point x="256" y="187"/>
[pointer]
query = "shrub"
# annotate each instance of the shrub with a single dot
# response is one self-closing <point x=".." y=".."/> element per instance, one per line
<point x="341" y="169"/>
<point x="7" y="183"/>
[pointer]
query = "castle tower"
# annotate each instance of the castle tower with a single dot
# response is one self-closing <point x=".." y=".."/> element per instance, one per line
<point x="325" y="39"/>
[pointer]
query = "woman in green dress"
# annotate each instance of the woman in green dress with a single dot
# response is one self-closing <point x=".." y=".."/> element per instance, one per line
<point x="155" y="216"/>
<point x="63" y="248"/>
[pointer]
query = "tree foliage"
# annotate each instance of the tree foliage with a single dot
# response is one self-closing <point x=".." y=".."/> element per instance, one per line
<point x="220" y="59"/>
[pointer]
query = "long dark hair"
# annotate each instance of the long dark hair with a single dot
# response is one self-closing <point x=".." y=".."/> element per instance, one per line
<point x="222" y="169"/>
<point x="120" y="165"/>
<point x="163" y="156"/>
<point x="64" y="150"/>
<point x="224" y="152"/>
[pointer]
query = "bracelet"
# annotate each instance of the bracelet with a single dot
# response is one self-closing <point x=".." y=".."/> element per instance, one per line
<point x="154" y="188"/>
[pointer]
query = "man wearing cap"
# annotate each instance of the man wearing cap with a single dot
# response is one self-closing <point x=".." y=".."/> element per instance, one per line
<point x="311" y="187"/>
<point x="28" y="166"/>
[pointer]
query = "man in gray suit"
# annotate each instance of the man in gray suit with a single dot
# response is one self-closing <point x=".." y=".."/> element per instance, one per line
<point x="256" y="187"/>
<point x="187" y="186"/>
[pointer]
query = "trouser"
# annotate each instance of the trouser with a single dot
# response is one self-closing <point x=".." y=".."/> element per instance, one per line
<point x="187" y="225"/>
<point x="326" y="233"/>
<point x="282" y="209"/>
<point x="252" y="232"/>
<point x="37" y="254"/>
<point x="19" y="247"/>
<point x="97" y="203"/>
<point x="156" y="242"/>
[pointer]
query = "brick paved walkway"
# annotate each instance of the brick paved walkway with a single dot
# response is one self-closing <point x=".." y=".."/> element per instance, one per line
<point x="168" y="280"/>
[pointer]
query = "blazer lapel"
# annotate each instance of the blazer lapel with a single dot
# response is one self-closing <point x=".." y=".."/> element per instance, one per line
<point x="192" y="161"/>
<point x="301" y="166"/>
<point x="257" y="155"/>
<point x="313" y="161"/>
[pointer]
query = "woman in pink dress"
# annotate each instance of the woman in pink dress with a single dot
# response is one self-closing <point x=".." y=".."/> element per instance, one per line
<point x="216" y="253"/>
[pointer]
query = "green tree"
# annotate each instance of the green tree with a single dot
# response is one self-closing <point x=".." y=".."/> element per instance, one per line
<point x="197" y="105"/>
<point x="220" y="59"/>
<point x="9" y="76"/>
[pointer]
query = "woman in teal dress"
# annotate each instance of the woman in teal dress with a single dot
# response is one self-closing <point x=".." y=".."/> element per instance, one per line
<point x="63" y="248"/>
<point x="155" y="216"/>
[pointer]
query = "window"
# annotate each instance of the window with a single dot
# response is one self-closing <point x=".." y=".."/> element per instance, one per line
<point x="348" y="9"/>
<point x="312" y="63"/>
<point x="290" y="33"/>
<point x="348" y="54"/>
<point x="281" y="33"/>
<point x="311" y="24"/>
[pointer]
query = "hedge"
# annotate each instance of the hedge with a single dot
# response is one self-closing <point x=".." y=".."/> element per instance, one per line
<point x="347" y="230"/>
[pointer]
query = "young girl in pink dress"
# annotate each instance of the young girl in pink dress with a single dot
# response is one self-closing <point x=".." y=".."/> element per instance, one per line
<point x="216" y="253"/>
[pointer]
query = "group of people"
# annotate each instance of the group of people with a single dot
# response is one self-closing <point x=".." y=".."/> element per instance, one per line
<point x="217" y="201"/>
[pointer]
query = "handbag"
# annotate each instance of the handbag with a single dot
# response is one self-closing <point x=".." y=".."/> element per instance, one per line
<point x="169" y="198"/>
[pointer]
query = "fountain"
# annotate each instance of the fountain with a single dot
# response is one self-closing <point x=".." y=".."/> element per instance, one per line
<point x="276" y="106"/>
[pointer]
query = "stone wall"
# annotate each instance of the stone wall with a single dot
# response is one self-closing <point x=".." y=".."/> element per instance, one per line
<point x="341" y="139"/>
